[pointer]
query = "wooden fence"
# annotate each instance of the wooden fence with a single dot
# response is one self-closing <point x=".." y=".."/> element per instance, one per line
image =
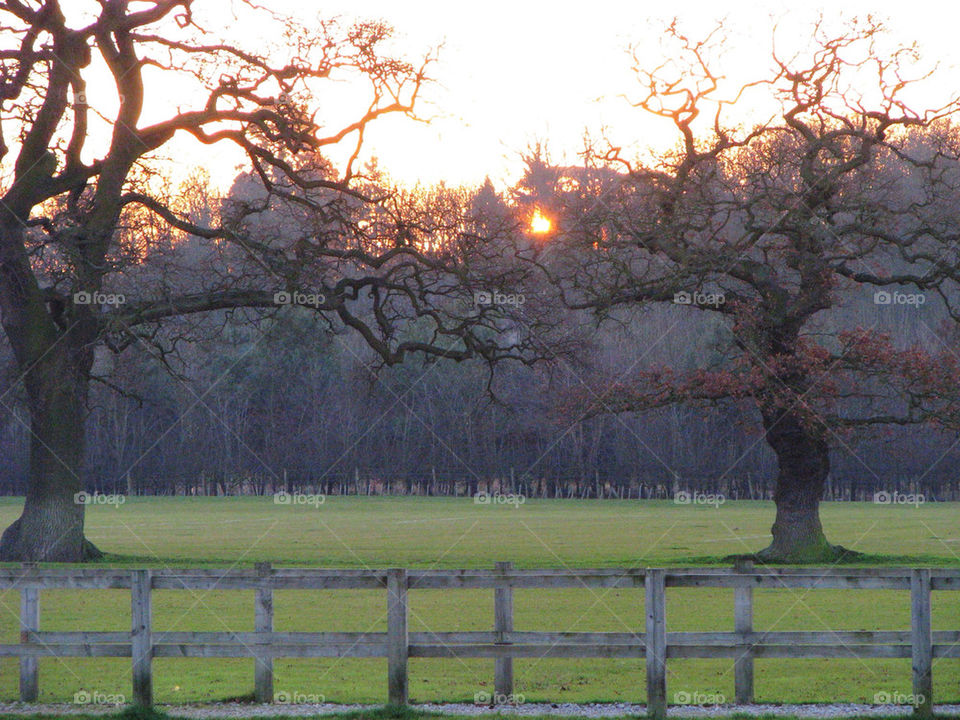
<point x="655" y="645"/>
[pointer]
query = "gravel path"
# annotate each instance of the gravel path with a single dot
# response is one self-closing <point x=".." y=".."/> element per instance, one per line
<point x="598" y="710"/>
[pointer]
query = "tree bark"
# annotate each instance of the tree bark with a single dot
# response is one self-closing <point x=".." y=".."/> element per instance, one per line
<point x="804" y="463"/>
<point x="51" y="526"/>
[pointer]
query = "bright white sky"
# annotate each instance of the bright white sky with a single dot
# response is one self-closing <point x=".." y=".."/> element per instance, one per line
<point x="513" y="72"/>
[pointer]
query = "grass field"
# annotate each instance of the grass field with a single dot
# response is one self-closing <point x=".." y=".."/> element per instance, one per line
<point x="450" y="532"/>
<point x="393" y="713"/>
<point x="389" y="713"/>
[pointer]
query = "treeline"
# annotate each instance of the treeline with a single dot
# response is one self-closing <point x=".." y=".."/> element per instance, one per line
<point x="245" y="403"/>
<point x="707" y="490"/>
<point x="289" y="405"/>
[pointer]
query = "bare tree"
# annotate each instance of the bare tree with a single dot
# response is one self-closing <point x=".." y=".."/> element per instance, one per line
<point x="81" y="231"/>
<point x="847" y="191"/>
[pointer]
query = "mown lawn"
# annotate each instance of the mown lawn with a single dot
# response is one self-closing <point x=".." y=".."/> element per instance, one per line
<point x="450" y="533"/>
<point x="392" y="714"/>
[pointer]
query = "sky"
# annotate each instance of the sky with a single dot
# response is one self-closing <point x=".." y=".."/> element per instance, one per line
<point x="512" y="73"/>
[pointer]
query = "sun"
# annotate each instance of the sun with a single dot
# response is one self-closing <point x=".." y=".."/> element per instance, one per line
<point x="540" y="223"/>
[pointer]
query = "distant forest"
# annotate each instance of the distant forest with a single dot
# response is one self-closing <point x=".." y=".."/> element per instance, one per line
<point x="251" y="403"/>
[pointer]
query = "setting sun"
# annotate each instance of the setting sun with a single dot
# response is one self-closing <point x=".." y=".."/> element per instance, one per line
<point x="540" y="223"/>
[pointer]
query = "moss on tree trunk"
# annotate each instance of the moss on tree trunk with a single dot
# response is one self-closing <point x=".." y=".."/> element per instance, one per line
<point x="803" y="460"/>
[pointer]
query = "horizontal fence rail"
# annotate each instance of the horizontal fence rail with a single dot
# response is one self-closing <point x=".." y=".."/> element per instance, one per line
<point x="655" y="645"/>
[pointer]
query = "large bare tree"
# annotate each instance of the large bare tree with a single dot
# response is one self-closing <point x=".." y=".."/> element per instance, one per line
<point x="848" y="194"/>
<point x="85" y="218"/>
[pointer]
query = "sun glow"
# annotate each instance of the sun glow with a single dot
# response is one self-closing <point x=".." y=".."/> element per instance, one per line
<point x="540" y="223"/>
<point x="577" y="75"/>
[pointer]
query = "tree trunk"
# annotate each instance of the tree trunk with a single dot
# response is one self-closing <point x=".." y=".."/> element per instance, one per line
<point x="804" y="462"/>
<point x="51" y="526"/>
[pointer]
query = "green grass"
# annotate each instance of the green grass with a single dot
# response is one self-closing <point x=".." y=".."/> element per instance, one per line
<point x="449" y="533"/>
<point x="388" y="713"/>
<point x="455" y="532"/>
<point x="396" y="713"/>
<point x="393" y="712"/>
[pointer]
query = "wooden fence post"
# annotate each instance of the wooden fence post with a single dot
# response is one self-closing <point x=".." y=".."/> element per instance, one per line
<point x="743" y="624"/>
<point x="921" y="638"/>
<point x="29" y="622"/>
<point x="503" y="623"/>
<point x="656" y="642"/>
<point x="263" y="623"/>
<point x="140" y="638"/>
<point x="397" y="638"/>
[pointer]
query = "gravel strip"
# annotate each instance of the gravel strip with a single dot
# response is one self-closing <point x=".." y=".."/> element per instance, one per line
<point x="595" y="710"/>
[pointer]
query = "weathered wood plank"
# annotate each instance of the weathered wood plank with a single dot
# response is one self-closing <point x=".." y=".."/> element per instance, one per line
<point x="503" y="623"/>
<point x="262" y="624"/>
<point x="66" y="650"/>
<point x="656" y="645"/>
<point x="500" y="577"/>
<point x="274" y="651"/>
<point x="944" y="582"/>
<point x="273" y="638"/>
<point x="397" y="639"/>
<point x="298" y="572"/>
<point x="429" y="647"/>
<point x="798" y="637"/>
<point x="574" y="579"/>
<point x="319" y="578"/>
<point x="318" y="582"/>
<point x="140" y="640"/>
<point x="29" y="622"/>
<point x="947" y="651"/>
<point x="568" y="638"/>
<point x="832" y="570"/>
<point x="721" y="639"/>
<point x="810" y="581"/>
<point x="791" y="651"/>
<point x="47" y="637"/>
<point x="537" y="650"/>
<point x="420" y="638"/>
<point x="482" y="650"/>
<point x="922" y="642"/>
<point x="106" y="582"/>
<point x="811" y="578"/>
<point x="743" y="625"/>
